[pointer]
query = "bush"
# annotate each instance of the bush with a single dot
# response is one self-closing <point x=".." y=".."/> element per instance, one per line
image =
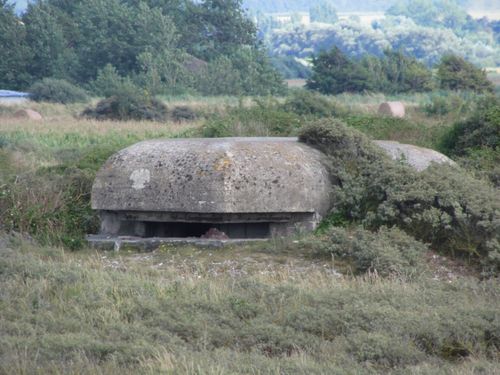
<point x="128" y="103"/>
<point x="388" y="251"/>
<point x="443" y="205"/>
<point x="305" y="103"/>
<point x="183" y="113"/>
<point x="480" y="130"/>
<point x="57" y="91"/>
<point x="52" y="207"/>
<point x="441" y="105"/>
<point x="454" y="73"/>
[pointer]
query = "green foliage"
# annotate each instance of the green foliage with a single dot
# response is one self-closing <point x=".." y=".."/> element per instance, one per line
<point x="305" y="103"/>
<point x="128" y="102"/>
<point x="57" y="91"/>
<point x="432" y="12"/>
<point x="61" y="214"/>
<point x="357" y="40"/>
<point x="183" y="113"/>
<point x="441" y="205"/>
<point x="323" y="11"/>
<point x="480" y="130"/>
<point x="264" y="119"/>
<point x="246" y="71"/>
<point x="289" y="67"/>
<point x="441" y="105"/>
<point x="403" y="74"/>
<point x="385" y="252"/>
<point x="454" y="73"/>
<point x="147" y="42"/>
<point x="82" y="313"/>
<point x="14" y="54"/>
<point x="334" y="73"/>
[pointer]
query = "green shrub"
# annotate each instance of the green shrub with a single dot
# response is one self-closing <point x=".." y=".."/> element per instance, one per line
<point x="305" y="103"/>
<point x="183" y="113"/>
<point x="443" y="205"/>
<point x="108" y="81"/>
<point x="480" y="130"/>
<point x="454" y="73"/>
<point x="51" y="206"/>
<point x="128" y="102"/>
<point x="57" y="91"/>
<point x="388" y="251"/>
<point x="441" y="105"/>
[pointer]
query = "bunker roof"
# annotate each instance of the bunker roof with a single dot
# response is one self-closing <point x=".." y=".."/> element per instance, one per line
<point x="218" y="175"/>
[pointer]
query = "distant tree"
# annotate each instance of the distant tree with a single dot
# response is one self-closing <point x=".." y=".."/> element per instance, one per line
<point x="323" y="11"/>
<point x="455" y="73"/>
<point x="14" y="53"/>
<point x="405" y="74"/>
<point x="438" y="13"/>
<point x="334" y="73"/>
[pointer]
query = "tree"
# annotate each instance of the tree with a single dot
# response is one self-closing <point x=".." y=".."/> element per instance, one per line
<point x="14" y="53"/>
<point x="45" y="38"/>
<point x="335" y="73"/>
<point x="323" y="11"/>
<point x="405" y="74"/>
<point x="454" y="73"/>
<point x="437" y="13"/>
<point x="112" y="32"/>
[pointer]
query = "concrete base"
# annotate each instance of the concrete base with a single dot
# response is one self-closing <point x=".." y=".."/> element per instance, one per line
<point x="117" y="243"/>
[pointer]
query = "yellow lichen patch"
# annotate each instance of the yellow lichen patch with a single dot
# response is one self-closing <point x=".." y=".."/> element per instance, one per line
<point x="222" y="164"/>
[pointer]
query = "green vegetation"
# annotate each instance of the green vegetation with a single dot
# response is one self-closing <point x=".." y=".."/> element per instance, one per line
<point x="335" y="73"/>
<point x="57" y="91"/>
<point x="454" y="73"/>
<point x="401" y="277"/>
<point x="121" y="314"/>
<point x="150" y="43"/>
<point x="127" y="102"/>
<point x="442" y="205"/>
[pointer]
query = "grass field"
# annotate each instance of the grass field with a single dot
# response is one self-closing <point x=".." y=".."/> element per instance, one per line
<point x="272" y="308"/>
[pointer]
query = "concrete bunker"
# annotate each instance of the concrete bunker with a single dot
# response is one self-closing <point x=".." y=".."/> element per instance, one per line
<point x="237" y="188"/>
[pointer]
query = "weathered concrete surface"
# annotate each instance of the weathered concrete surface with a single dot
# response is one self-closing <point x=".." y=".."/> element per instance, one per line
<point x="117" y="243"/>
<point x="224" y="175"/>
<point x="418" y="157"/>
<point x="394" y="109"/>
<point x="28" y="114"/>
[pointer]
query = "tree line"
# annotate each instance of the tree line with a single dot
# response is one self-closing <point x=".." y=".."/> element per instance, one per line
<point x="164" y="46"/>
<point x="336" y="73"/>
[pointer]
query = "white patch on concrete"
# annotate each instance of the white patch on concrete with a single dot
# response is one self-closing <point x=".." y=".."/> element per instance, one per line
<point x="139" y="178"/>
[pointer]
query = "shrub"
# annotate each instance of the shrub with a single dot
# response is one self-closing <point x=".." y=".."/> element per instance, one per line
<point x="305" y="103"/>
<point x="481" y="129"/>
<point x="128" y="103"/>
<point x="183" y="113"/>
<point x="388" y="251"/>
<point x="443" y="205"/>
<point x="52" y="207"/>
<point x="454" y="73"/>
<point x="57" y="91"/>
<point x="442" y="105"/>
<point x="108" y="81"/>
